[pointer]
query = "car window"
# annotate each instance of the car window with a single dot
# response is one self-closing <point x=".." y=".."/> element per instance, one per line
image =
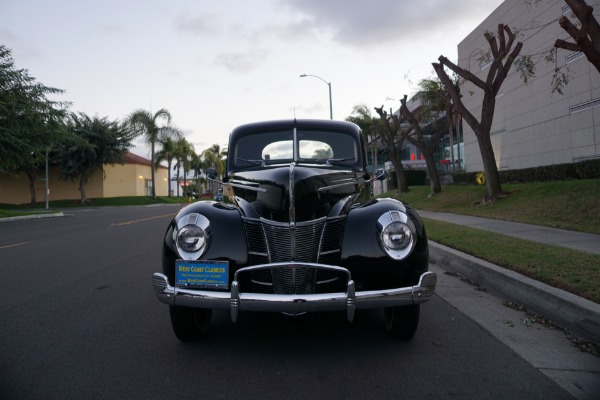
<point x="271" y="147"/>
<point x="314" y="149"/>
<point x="278" y="151"/>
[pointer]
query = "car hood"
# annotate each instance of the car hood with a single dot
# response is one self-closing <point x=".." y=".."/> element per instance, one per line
<point x="296" y="193"/>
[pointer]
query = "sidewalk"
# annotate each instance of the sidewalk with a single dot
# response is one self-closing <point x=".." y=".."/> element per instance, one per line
<point x="577" y="315"/>
<point x="585" y="242"/>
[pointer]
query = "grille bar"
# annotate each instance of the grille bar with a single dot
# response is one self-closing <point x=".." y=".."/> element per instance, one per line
<point x="317" y="241"/>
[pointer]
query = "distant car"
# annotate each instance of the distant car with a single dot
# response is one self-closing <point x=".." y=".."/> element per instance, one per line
<point x="302" y="234"/>
<point x="219" y="197"/>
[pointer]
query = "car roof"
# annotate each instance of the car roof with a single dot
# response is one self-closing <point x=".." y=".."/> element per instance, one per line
<point x="309" y="124"/>
<point x="345" y="127"/>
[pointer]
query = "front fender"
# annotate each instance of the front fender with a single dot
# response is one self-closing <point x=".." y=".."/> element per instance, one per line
<point x="227" y="241"/>
<point x="361" y="249"/>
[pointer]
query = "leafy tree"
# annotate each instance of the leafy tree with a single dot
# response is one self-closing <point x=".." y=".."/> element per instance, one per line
<point x="361" y="116"/>
<point x="100" y="142"/>
<point x="435" y="99"/>
<point x="504" y="51"/>
<point x="145" y="123"/>
<point x="392" y="135"/>
<point x="427" y="146"/>
<point x="31" y="124"/>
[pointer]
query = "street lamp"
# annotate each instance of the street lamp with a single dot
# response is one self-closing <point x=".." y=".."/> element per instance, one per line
<point x="328" y="84"/>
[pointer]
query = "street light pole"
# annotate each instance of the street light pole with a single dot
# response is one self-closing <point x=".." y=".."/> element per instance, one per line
<point x="328" y="84"/>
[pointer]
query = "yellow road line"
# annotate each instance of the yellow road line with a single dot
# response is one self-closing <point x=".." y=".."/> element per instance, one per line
<point x="135" y="221"/>
<point x="13" y="245"/>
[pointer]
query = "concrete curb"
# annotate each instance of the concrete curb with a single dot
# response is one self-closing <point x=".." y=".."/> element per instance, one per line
<point x="575" y="314"/>
<point x="32" y="216"/>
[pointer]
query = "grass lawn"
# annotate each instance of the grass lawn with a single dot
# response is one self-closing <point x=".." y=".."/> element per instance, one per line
<point x="570" y="270"/>
<point x="572" y="205"/>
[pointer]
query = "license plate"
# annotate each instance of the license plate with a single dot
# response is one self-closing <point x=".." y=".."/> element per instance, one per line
<point x="202" y="274"/>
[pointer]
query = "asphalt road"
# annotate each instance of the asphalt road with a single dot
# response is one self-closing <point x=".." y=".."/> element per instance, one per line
<point x="79" y="319"/>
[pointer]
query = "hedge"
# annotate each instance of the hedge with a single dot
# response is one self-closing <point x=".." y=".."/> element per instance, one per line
<point x="589" y="169"/>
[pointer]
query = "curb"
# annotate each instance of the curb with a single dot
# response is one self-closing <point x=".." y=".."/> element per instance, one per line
<point x="32" y="216"/>
<point x="573" y="313"/>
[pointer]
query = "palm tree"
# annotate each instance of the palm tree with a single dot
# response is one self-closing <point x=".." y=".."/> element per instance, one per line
<point x="143" y="122"/>
<point x="361" y="116"/>
<point x="435" y="98"/>
<point x="167" y="151"/>
<point x="183" y="154"/>
<point x="212" y="159"/>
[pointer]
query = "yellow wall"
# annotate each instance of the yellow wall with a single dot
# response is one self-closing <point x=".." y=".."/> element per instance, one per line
<point x="115" y="181"/>
<point x="130" y="180"/>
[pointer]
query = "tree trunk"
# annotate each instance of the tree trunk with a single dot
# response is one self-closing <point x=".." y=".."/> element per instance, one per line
<point x="32" y="175"/>
<point x="434" y="179"/>
<point x="82" y="188"/>
<point x="401" y="180"/>
<point x="153" y="191"/>
<point x="178" y="180"/>
<point x="492" y="178"/>
<point x="458" y="129"/>
<point x="169" y="179"/>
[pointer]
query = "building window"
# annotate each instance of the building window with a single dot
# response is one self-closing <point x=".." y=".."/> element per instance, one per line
<point x="584" y="106"/>
<point x="148" y="187"/>
<point x="573" y="56"/>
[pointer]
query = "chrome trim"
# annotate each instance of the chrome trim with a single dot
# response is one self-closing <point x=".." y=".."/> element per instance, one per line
<point x="200" y="221"/>
<point x="388" y="218"/>
<point x="351" y="300"/>
<point x="330" y="187"/>
<point x="291" y="190"/>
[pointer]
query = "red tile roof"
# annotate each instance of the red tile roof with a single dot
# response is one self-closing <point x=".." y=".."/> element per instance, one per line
<point x="131" y="158"/>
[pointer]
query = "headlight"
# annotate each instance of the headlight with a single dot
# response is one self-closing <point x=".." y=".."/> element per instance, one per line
<point x="396" y="234"/>
<point x="192" y="236"/>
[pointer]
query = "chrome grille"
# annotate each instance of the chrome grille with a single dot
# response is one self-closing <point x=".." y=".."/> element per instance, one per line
<point x="315" y="241"/>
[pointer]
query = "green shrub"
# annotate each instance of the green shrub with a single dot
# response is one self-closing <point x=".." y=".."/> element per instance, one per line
<point x="464" y="178"/>
<point x="589" y="169"/>
<point x="416" y="177"/>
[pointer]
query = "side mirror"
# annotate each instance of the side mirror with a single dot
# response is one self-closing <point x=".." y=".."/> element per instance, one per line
<point x="211" y="173"/>
<point x="381" y="174"/>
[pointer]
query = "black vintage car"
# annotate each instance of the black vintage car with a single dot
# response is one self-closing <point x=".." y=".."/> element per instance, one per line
<point x="299" y="233"/>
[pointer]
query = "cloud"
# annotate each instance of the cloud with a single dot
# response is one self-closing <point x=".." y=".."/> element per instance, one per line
<point x="363" y="23"/>
<point x="241" y="62"/>
<point x="203" y="24"/>
<point x="108" y="29"/>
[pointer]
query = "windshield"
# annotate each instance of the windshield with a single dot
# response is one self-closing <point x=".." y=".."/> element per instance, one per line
<point x="317" y="147"/>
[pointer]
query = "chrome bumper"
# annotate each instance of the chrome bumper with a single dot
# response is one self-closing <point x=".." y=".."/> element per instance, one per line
<point x="294" y="303"/>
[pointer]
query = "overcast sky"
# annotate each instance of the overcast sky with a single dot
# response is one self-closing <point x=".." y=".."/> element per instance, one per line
<point x="221" y="63"/>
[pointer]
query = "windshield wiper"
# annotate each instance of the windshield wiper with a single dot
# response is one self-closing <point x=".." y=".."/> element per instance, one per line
<point x="255" y="162"/>
<point x="335" y="161"/>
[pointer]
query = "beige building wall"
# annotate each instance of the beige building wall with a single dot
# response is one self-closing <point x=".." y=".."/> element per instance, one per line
<point x="14" y="189"/>
<point x="133" y="180"/>
<point x="533" y="127"/>
<point x="115" y="181"/>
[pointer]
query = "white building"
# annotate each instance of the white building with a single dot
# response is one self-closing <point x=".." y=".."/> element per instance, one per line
<point x="533" y="127"/>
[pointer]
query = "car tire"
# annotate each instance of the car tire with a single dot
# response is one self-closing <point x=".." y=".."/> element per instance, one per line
<point x="190" y="324"/>
<point x="402" y="322"/>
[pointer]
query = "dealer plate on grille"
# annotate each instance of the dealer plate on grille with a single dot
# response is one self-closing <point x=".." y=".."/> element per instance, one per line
<point x="202" y="274"/>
